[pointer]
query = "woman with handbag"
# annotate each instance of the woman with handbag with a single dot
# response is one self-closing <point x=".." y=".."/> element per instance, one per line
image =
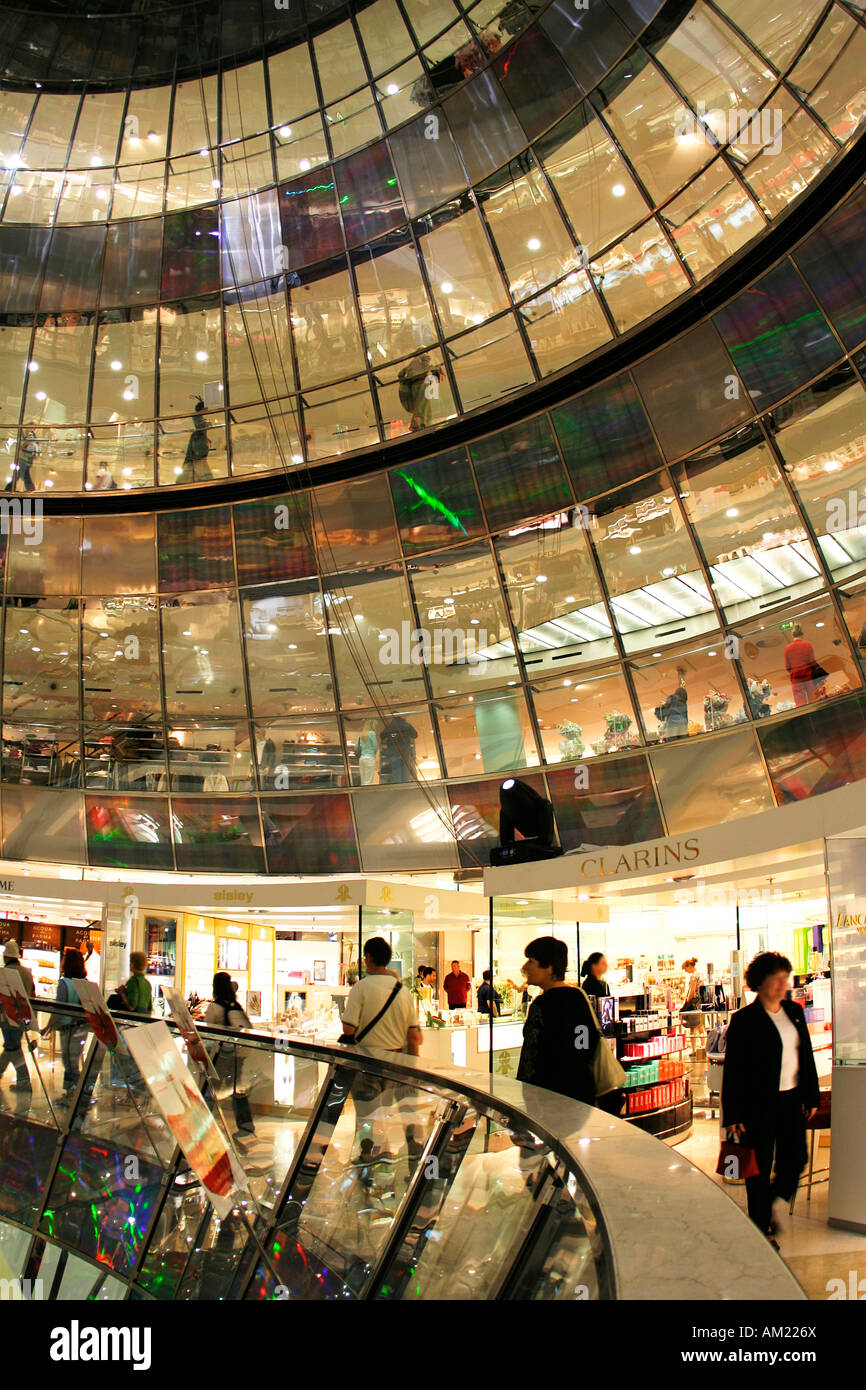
<point x="562" y="1045"/>
<point x="72" y="1030"/>
<point x="807" y="676"/>
<point x="769" y="1088"/>
<point x="225" y="1012"/>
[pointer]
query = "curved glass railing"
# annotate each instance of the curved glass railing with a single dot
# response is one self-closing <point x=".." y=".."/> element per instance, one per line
<point x="323" y="299"/>
<point x="358" y="1175"/>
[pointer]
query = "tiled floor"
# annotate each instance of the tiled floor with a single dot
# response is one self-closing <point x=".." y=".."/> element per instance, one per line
<point x="815" y="1253"/>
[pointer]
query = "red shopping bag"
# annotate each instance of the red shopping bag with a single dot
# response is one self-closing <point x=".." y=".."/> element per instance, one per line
<point x="737" y="1160"/>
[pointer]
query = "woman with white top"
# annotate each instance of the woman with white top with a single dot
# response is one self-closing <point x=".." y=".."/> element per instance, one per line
<point x="770" y="1087"/>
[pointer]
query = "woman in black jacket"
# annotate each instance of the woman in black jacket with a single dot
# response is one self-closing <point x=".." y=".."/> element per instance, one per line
<point x="770" y="1086"/>
<point x="592" y="972"/>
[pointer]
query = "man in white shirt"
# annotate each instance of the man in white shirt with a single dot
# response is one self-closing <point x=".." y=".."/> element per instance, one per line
<point x="397" y="1029"/>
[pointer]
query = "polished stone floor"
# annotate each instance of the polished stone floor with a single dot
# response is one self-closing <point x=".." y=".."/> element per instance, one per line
<point x="815" y="1253"/>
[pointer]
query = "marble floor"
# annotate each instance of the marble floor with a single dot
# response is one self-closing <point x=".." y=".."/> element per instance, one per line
<point x="816" y="1253"/>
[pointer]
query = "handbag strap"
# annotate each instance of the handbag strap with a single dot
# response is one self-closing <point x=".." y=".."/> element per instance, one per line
<point x="381" y="1014"/>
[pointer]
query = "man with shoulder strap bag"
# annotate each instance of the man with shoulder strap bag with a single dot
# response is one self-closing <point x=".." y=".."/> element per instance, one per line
<point x="380" y="1012"/>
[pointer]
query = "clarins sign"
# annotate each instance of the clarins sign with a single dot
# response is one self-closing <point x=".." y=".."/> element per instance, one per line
<point x="630" y="861"/>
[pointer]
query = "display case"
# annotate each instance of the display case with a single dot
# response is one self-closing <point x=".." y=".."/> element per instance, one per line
<point x="816" y="1000"/>
<point x="657" y="1090"/>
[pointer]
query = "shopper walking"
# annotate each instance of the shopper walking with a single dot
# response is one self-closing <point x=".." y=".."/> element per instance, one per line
<point x="379" y="1012"/>
<point x="560" y="1034"/>
<point x="770" y="1087"/>
<point x="592" y="974"/>
<point x="13" y="1053"/>
<point x="224" y="1011"/>
<point x="139" y="994"/>
<point x="690" y="1009"/>
<point x="72" y="1030"/>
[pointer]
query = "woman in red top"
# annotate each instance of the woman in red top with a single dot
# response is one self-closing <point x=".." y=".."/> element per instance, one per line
<point x="800" y="664"/>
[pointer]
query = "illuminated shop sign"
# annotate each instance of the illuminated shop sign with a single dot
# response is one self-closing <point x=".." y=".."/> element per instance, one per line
<point x="629" y="861"/>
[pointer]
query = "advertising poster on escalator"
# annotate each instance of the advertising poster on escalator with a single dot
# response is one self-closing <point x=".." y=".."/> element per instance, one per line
<point x="188" y="1031"/>
<point x="96" y="1011"/>
<point x="182" y="1107"/>
<point x="13" y="1000"/>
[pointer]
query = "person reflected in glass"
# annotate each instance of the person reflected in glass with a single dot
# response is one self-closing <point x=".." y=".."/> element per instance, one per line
<point x="13" y="1053"/>
<point x="72" y="1030"/>
<point x="195" y="468"/>
<point x="770" y="1088"/>
<point x="418" y="387"/>
<point x="673" y="713"/>
<point x="366" y="748"/>
<point x="397" y="751"/>
<point x="806" y="676"/>
<point x="104" y="480"/>
<point x="27" y="453"/>
<point x="592" y="974"/>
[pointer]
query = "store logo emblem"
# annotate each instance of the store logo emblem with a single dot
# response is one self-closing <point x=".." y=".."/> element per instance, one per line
<point x="450" y="646"/>
<point x="75" y="1343"/>
<point x="22" y="517"/>
<point x="738" y="127"/>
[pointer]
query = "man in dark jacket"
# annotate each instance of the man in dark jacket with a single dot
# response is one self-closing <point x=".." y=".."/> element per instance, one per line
<point x="560" y="1034"/>
<point x="770" y="1086"/>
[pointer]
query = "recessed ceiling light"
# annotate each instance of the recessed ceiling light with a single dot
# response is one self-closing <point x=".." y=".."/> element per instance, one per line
<point x="534" y="244"/>
<point x="285" y="131"/>
<point x="115" y="365"/>
<point x="618" y="190"/>
<point x="634" y="550"/>
<point x="304" y="164"/>
<point x="447" y="287"/>
<point x="392" y="89"/>
<point x="732" y="511"/>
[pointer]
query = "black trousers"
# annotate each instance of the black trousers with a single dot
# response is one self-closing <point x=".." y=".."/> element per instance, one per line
<point x="782" y="1132"/>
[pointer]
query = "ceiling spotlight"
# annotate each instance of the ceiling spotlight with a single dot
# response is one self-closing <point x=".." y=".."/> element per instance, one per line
<point x="447" y="287"/>
<point x="41" y="396"/>
<point x="285" y="131"/>
<point x="732" y="511"/>
<point x="96" y="161"/>
<point x="541" y="579"/>
<point x="618" y="190"/>
<point x="115" y="365"/>
<point x="304" y="165"/>
<point x="534" y="244"/>
<point x="634" y="550"/>
<point x="201" y="355"/>
<point x="392" y="89"/>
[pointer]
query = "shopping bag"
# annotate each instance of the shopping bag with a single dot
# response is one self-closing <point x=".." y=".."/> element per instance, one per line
<point x="737" y="1160"/>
